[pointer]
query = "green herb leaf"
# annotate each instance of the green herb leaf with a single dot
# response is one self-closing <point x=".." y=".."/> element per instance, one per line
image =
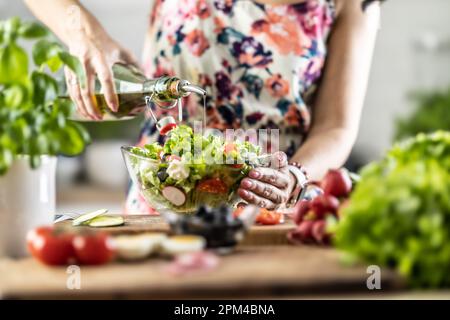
<point x="13" y="65"/>
<point x="32" y="30"/>
<point x="45" y="87"/>
<point x="47" y="52"/>
<point x="10" y="29"/>
<point x="15" y="95"/>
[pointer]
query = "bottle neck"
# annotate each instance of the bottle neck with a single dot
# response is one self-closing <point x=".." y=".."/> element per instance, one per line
<point x="164" y="88"/>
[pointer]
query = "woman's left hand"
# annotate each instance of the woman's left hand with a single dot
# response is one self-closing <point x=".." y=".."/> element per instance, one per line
<point x="269" y="187"/>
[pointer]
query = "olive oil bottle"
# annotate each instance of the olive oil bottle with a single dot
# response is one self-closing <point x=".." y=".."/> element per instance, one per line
<point x="132" y="88"/>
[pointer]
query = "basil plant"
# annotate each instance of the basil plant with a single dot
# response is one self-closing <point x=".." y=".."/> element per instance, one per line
<point x="33" y="120"/>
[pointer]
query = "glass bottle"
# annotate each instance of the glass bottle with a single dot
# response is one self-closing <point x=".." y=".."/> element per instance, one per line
<point x="132" y="88"/>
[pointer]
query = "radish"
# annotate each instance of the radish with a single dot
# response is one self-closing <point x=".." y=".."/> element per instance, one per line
<point x="300" y="210"/>
<point x="166" y="124"/>
<point x="318" y="231"/>
<point x="324" y="204"/>
<point x="174" y="195"/>
<point x="337" y="183"/>
<point x="305" y="230"/>
<point x="168" y="127"/>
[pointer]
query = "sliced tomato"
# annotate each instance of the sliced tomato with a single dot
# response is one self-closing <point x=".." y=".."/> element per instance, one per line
<point x="50" y="246"/>
<point x="267" y="217"/>
<point x="213" y="185"/>
<point x="168" y="127"/>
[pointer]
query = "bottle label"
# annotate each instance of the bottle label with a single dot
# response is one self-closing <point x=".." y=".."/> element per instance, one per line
<point x="126" y="87"/>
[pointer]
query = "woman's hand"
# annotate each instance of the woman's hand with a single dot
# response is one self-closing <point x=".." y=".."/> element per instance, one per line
<point x="97" y="53"/>
<point x="269" y="187"/>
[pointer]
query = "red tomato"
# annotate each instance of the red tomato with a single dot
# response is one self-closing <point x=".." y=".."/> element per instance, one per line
<point x="49" y="246"/>
<point x="213" y="185"/>
<point x="267" y="217"/>
<point x="93" y="249"/>
<point x="164" y="130"/>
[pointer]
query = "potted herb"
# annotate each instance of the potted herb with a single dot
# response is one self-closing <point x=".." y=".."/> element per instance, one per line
<point x="34" y="129"/>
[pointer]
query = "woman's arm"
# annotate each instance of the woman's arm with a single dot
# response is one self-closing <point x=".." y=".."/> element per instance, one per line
<point x="87" y="40"/>
<point x="337" y="110"/>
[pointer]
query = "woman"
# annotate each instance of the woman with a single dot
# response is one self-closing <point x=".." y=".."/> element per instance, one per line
<point x="299" y="66"/>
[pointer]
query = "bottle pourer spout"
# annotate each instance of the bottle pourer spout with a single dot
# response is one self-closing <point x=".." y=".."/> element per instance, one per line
<point x="193" y="88"/>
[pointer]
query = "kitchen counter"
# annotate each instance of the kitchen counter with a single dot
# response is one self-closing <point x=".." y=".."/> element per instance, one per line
<point x="252" y="271"/>
<point x="263" y="266"/>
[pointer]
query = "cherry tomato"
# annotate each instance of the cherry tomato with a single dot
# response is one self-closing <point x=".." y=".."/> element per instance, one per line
<point x="93" y="249"/>
<point x="213" y="185"/>
<point x="50" y="246"/>
<point x="267" y="217"/>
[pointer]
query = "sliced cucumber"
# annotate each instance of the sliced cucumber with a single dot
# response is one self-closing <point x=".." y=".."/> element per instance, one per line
<point x="106" y="221"/>
<point x="88" y="216"/>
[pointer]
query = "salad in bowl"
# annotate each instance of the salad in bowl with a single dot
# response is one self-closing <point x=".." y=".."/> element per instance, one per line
<point x="190" y="170"/>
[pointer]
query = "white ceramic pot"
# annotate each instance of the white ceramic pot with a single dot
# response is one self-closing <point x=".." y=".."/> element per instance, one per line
<point x="27" y="200"/>
<point x="104" y="164"/>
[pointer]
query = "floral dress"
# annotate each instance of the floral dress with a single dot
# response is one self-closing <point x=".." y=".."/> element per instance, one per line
<point x="259" y="63"/>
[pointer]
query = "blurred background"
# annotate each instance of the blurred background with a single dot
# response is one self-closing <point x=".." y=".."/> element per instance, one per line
<point x="408" y="92"/>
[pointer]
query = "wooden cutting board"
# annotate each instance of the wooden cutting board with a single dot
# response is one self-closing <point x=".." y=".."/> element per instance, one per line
<point x="257" y="236"/>
<point x="252" y="271"/>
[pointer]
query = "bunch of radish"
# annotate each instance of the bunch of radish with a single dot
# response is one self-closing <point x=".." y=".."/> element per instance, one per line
<point x="311" y="215"/>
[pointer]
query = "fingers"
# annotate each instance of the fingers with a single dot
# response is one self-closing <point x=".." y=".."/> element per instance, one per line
<point x="271" y="176"/>
<point x="128" y="57"/>
<point x="264" y="190"/>
<point x="105" y="77"/>
<point x="88" y="92"/>
<point x="73" y="89"/>
<point x="279" y="160"/>
<point x="255" y="199"/>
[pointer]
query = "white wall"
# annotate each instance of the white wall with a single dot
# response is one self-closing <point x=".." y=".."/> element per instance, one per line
<point x="396" y="69"/>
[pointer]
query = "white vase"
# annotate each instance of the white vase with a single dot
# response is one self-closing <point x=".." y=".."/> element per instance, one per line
<point x="104" y="164"/>
<point x="27" y="200"/>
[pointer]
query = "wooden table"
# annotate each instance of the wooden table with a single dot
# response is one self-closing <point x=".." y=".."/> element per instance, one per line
<point x="254" y="270"/>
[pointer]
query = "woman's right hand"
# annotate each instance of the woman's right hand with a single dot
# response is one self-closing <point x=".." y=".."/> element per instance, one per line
<point x="97" y="53"/>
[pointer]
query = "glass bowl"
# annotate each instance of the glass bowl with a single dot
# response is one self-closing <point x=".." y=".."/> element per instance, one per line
<point x="142" y="171"/>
